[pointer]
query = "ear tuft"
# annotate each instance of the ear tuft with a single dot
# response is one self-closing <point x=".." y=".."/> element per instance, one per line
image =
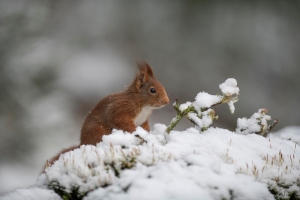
<point x="143" y="75"/>
<point x="145" y="67"/>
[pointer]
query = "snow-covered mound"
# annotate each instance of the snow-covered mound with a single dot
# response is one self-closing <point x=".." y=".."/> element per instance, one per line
<point x="289" y="133"/>
<point x="216" y="164"/>
<point x="199" y="163"/>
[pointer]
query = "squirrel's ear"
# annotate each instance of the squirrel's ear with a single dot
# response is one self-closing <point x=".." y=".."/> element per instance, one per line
<point x="148" y="68"/>
<point x="143" y="75"/>
<point x="145" y="67"/>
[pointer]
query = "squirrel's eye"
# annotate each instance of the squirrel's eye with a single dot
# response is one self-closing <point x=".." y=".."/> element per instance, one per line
<point x="152" y="90"/>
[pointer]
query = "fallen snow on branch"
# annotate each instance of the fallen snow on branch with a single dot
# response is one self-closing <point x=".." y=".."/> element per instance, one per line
<point x="229" y="87"/>
<point x="200" y="111"/>
<point x="205" y="100"/>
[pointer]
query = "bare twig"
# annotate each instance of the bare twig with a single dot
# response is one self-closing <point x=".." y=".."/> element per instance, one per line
<point x="270" y="127"/>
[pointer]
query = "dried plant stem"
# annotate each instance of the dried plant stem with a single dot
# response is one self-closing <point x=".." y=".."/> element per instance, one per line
<point x="269" y="128"/>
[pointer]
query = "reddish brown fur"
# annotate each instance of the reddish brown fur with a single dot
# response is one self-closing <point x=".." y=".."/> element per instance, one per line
<point x="119" y="110"/>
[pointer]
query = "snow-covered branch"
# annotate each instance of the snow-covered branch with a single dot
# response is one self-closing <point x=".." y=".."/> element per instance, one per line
<point x="200" y="112"/>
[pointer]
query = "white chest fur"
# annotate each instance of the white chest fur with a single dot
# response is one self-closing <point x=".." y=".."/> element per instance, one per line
<point x="143" y="115"/>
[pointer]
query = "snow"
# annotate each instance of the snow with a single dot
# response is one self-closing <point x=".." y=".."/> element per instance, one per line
<point x="215" y="164"/>
<point x="231" y="107"/>
<point x="120" y="138"/>
<point x="200" y="112"/>
<point x="289" y="133"/>
<point x="229" y="87"/>
<point x="206" y="118"/>
<point x="205" y="100"/>
<point x="177" y="180"/>
<point x="32" y="193"/>
<point x="254" y="124"/>
<point x="184" y="106"/>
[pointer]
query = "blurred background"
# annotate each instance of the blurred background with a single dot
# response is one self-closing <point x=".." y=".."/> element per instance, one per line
<point x="59" y="58"/>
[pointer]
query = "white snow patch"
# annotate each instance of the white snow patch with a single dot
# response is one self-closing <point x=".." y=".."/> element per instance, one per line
<point x="32" y="193"/>
<point x="231" y="106"/>
<point x="289" y="133"/>
<point x="205" y="100"/>
<point x="254" y="124"/>
<point x="118" y="137"/>
<point x="184" y="106"/>
<point x="229" y="87"/>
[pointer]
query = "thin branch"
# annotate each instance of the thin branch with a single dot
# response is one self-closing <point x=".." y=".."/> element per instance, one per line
<point x="270" y="127"/>
<point x="179" y="115"/>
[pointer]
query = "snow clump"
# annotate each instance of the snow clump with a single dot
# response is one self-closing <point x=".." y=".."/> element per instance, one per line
<point x="229" y="87"/>
<point x="257" y="123"/>
<point x="205" y="100"/>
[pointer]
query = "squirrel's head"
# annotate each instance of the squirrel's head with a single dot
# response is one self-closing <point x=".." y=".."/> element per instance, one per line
<point x="150" y="91"/>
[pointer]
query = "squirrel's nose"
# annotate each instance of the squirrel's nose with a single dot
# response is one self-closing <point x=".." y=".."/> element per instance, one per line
<point x="166" y="100"/>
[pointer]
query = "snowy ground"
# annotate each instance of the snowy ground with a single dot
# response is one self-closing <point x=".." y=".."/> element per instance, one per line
<point x="216" y="164"/>
<point x="201" y="162"/>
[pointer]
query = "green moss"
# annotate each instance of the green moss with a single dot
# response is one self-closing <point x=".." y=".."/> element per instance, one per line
<point x="293" y="196"/>
<point x="64" y="194"/>
<point x="279" y="196"/>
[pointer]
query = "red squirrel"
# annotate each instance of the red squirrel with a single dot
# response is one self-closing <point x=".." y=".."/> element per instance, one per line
<point x="124" y="110"/>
